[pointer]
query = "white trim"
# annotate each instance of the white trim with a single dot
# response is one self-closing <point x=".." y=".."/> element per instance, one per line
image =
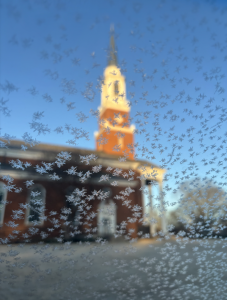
<point x="23" y="175"/>
<point x="23" y="154"/>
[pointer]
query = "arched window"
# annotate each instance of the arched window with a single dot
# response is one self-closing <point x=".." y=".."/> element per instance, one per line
<point x="116" y="88"/>
<point x="3" y="194"/>
<point x="36" y="209"/>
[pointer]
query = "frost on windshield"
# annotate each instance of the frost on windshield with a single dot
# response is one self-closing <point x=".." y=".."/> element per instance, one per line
<point x="112" y="149"/>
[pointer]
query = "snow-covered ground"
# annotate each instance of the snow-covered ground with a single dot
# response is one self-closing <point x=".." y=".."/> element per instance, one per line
<point x="143" y="270"/>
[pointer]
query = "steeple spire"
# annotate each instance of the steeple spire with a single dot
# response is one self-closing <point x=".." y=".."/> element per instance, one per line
<point x="113" y="58"/>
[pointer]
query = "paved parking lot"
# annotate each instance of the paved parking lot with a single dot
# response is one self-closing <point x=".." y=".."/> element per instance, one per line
<point x="143" y="270"/>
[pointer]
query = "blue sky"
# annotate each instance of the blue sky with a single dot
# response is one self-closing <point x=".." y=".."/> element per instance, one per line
<point x="173" y="51"/>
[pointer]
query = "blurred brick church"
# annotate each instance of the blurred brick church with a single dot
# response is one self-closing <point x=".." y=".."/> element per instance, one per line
<point x="99" y="193"/>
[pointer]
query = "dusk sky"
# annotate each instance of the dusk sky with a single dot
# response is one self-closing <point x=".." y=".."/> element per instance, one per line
<point x="172" y="53"/>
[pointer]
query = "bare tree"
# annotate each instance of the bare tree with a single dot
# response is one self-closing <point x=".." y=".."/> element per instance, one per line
<point x="200" y="203"/>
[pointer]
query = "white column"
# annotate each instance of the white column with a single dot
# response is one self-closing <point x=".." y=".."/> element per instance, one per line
<point x="143" y="198"/>
<point x="164" y="225"/>
<point x="152" y="225"/>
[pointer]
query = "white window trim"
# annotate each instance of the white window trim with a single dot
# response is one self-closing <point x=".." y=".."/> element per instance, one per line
<point x="2" y="210"/>
<point x="27" y="222"/>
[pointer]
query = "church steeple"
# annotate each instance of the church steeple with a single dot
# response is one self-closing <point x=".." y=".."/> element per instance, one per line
<point x="115" y="135"/>
<point x="113" y="57"/>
